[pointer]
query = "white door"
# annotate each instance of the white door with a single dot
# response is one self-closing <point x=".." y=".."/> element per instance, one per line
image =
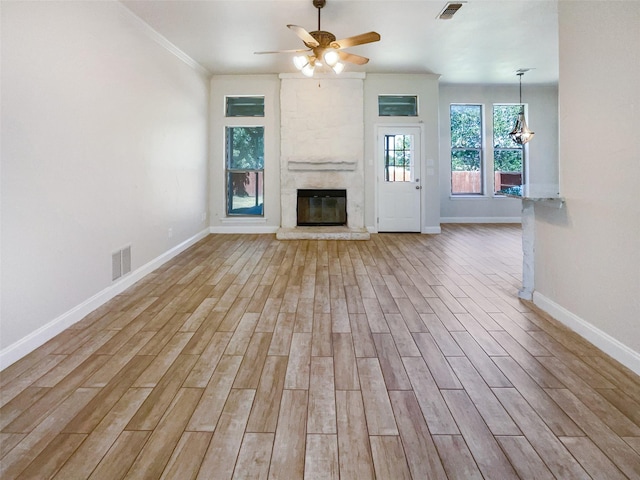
<point x="399" y="185"/>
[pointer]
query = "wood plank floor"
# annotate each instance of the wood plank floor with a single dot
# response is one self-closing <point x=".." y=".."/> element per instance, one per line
<point x="245" y="357"/>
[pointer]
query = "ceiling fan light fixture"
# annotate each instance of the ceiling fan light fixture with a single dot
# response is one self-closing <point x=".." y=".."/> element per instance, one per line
<point x="300" y="61"/>
<point x="307" y="70"/>
<point x="331" y="57"/>
<point x="324" y="48"/>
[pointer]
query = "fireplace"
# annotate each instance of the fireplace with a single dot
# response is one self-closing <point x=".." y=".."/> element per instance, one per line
<point x="321" y="207"/>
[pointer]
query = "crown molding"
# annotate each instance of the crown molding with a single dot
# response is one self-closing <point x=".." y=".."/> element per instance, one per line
<point x="161" y="40"/>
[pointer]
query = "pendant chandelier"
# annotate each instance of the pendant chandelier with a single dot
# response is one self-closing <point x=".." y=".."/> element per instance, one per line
<point x="521" y="133"/>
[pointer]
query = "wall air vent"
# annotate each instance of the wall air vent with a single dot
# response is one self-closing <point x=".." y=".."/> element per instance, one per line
<point x="116" y="265"/>
<point x="120" y="262"/>
<point x="449" y="11"/>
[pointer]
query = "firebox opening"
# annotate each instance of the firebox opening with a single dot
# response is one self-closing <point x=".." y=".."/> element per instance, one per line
<point x="322" y="207"/>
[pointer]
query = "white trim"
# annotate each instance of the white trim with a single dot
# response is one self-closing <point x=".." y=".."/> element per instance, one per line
<point x="431" y="230"/>
<point x="165" y="43"/>
<point x="379" y="130"/>
<point x="480" y="220"/>
<point x="250" y="229"/>
<point x="602" y="340"/>
<point x="324" y="76"/>
<point x="35" y="339"/>
<point x="239" y="220"/>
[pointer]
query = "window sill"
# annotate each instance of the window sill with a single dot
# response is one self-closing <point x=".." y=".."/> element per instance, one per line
<point x="468" y="197"/>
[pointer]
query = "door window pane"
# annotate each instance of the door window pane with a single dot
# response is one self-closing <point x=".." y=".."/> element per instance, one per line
<point x="398" y="158"/>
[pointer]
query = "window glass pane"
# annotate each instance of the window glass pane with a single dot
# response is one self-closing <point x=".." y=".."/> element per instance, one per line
<point x="507" y="154"/>
<point x="466" y="150"/>
<point x="245" y="192"/>
<point x="398" y="158"/>
<point x="466" y="175"/>
<point x="245" y="170"/>
<point x="397" y="105"/>
<point x="466" y="126"/>
<point x="245" y="148"/>
<point x="245" y="107"/>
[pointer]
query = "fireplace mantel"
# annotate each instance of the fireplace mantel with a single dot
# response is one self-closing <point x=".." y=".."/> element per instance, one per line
<point x="321" y="165"/>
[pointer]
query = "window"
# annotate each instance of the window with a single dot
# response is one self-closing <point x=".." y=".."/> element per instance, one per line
<point x="244" y="107"/>
<point x="507" y="155"/>
<point x="466" y="150"/>
<point x="398" y="158"/>
<point x="397" y="106"/>
<point x="245" y="170"/>
<point x="244" y="158"/>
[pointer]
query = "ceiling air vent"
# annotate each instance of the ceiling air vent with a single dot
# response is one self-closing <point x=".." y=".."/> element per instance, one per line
<point x="449" y="11"/>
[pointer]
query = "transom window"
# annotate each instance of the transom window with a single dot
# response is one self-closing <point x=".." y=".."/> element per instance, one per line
<point x="244" y="106"/>
<point x="397" y="105"/>
<point x="398" y="158"/>
<point x="466" y="150"/>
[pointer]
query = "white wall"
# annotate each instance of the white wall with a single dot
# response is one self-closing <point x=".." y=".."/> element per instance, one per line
<point x="423" y="85"/>
<point x="587" y="262"/>
<point x="237" y="85"/>
<point x="426" y="87"/>
<point x="322" y="141"/>
<point x="104" y="144"/>
<point x="542" y="151"/>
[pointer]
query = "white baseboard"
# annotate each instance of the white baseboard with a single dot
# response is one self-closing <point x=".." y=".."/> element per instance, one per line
<point x="605" y="342"/>
<point x="35" y="339"/>
<point x="433" y="230"/>
<point x="248" y="229"/>
<point x="480" y="220"/>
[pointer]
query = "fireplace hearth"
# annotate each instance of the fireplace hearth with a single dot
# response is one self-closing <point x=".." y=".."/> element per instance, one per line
<point x="321" y="207"/>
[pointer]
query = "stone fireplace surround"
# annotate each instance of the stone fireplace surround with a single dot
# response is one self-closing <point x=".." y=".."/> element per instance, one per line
<point x="322" y="147"/>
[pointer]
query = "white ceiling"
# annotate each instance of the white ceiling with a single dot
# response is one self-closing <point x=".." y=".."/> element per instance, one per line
<point x="486" y="41"/>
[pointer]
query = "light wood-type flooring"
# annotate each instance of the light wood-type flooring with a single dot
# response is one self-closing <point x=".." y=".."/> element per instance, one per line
<point x="405" y="356"/>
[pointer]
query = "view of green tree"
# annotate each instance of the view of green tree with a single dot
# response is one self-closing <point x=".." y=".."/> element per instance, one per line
<point x="245" y="148"/>
<point x="466" y="137"/>
<point x="466" y="126"/>
<point x="245" y="158"/>
<point x="507" y="154"/>
<point x="398" y="150"/>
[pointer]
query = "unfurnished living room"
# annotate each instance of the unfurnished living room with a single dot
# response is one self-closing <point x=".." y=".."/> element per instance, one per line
<point x="309" y="239"/>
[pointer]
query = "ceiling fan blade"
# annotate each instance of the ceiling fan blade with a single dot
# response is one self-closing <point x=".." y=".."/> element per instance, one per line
<point x="361" y="39"/>
<point x="282" y="51"/>
<point x="351" y="58"/>
<point x="304" y="35"/>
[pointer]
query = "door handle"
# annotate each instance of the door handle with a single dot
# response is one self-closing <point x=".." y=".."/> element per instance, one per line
<point x="418" y="187"/>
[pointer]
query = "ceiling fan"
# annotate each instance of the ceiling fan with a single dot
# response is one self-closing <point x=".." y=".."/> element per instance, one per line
<point x="323" y="48"/>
